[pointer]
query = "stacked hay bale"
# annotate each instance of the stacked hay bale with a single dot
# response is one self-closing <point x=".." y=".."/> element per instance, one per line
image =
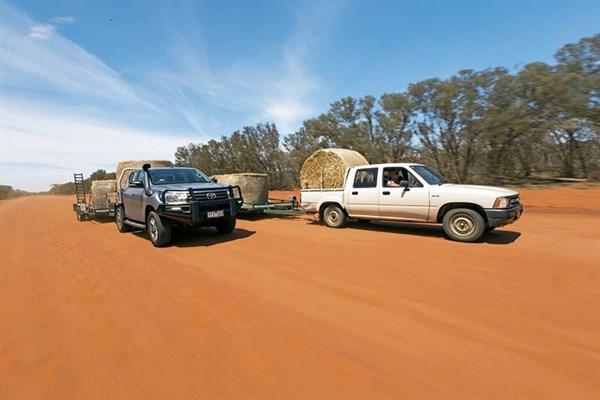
<point x="138" y="164"/>
<point x="326" y="168"/>
<point x="102" y="191"/>
<point x="255" y="187"/>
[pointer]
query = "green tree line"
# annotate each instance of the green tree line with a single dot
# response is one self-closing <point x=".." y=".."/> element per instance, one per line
<point x="69" y="187"/>
<point x="8" y="192"/>
<point x="488" y="126"/>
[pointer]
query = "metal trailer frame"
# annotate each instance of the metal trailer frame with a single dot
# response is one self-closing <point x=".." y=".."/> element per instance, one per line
<point x="84" y="209"/>
<point x="273" y="206"/>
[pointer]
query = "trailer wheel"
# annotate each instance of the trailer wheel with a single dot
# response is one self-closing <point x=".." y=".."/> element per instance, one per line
<point x="80" y="216"/>
<point x="334" y="216"/>
<point x="159" y="229"/>
<point x="464" y="225"/>
<point x="120" y="220"/>
<point x="226" y="226"/>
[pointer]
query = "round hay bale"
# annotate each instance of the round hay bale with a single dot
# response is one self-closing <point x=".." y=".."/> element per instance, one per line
<point x="101" y="190"/>
<point x="138" y="164"/>
<point x="326" y="168"/>
<point x="255" y="187"/>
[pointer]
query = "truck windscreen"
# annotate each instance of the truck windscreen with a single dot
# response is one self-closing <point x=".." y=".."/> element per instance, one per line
<point x="177" y="175"/>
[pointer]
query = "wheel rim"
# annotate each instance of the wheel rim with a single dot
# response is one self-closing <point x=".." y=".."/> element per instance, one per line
<point x="462" y="225"/>
<point x="333" y="217"/>
<point x="153" y="228"/>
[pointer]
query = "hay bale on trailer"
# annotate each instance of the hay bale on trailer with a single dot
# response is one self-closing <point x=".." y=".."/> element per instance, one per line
<point x="138" y="164"/>
<point x="325" y="168"/>
<point x="102" y="191"/>
<point x="255" y="187"/>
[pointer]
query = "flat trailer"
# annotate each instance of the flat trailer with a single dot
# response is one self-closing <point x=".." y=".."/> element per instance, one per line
<point x="84" y="209"/>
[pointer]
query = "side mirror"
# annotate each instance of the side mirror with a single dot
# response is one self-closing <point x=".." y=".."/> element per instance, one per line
<point x="137" y="184"/>
<point x="214" y="180"/>
<point x="404" y="184"/>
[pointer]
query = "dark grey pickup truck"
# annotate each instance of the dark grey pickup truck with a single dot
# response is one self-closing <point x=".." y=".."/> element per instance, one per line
<point x="158" y="200"/>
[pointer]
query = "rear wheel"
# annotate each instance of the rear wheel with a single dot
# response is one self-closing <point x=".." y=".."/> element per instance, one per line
<point x="120" y="220"/>
<point x="80" y="216"/>
<point x="464" y="225"/>
<point x="226" y="226"/>
<point x="334" y="216"/>
<point x="159" y="229"/>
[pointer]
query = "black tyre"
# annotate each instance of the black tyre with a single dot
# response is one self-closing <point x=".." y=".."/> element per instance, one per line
<point x="226" y="225"/>
<point x="159" y="229"/>
<point x="120" y="220"/>
<point x="464" y="225"/>
<point x="334" y="216"/>
<point x="80" y="216"/>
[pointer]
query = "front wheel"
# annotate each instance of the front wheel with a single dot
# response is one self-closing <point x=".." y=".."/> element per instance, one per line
<point x="159" y="229"/>
<point x="334" y="216"/>
<point x="226" y="226"/>
<point x="464" y="225"/>
<point x="120" y="220"/>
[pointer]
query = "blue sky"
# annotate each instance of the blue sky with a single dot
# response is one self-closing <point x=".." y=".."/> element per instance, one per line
<point x="85" y="84"/>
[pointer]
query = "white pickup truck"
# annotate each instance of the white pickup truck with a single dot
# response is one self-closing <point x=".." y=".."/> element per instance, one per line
<point x="421" y="195"/>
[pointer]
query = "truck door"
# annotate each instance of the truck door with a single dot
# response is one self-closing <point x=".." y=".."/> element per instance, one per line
<point x="132" y="197"/>
<point x="362" y="196"/>
<point x="405" y="203"/>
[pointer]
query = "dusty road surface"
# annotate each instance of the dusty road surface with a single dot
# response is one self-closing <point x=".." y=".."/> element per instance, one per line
<point x="287" y="308"/>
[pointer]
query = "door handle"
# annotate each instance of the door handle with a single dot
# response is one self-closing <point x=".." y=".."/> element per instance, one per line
<point x="354" y="192"/>
<point x="386" y="193"/>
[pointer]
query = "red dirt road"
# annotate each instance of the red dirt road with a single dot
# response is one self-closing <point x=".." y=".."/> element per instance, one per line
<point x="287" y="308"/>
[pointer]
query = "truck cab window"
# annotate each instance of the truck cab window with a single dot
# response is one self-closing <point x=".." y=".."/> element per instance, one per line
<point x="413" y="181"/>
<point x="365" y="178"/>
<point x="134" y="176"/>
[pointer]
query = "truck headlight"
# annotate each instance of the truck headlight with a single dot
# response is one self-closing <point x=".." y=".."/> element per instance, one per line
<point x="502" y="202"/>
<point x="177" y="197"/>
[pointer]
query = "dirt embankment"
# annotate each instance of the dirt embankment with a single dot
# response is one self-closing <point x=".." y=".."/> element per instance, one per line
<point x="287" y="308"/>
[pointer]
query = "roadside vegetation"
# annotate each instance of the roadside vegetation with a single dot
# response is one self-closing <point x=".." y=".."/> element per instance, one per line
<point x="69" y="187"/>
<point x="533" y="123"/>
<point x="7" y="192"/>
<point x="527" y="125"/>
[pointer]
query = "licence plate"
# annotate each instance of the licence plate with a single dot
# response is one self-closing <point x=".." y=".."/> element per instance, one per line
<point x="215" y="214"/>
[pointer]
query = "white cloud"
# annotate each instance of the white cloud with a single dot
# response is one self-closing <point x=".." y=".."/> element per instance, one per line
<point x="76" y="128"/>
<point x="44" y="60"/>
<point x="285" y="92"/>
<point x="40" y="32"/>
<point x="64" y="20"/>
<point x="36" y="136"/>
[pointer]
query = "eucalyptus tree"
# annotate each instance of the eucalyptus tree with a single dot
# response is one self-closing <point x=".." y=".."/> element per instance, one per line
<point x="258" y="149"/>
<point x="579" y="66"/>
<point x="565" y="102"/>
<point x="447" y="120"/>
<point x="393" y="132"/>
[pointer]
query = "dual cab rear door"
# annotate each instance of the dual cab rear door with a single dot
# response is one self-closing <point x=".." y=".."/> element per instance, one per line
<point x="369" y="198"/>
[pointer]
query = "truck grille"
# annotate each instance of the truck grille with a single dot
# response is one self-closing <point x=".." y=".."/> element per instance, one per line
<point x="515" y="201"/>
<point x="210" y="195"/>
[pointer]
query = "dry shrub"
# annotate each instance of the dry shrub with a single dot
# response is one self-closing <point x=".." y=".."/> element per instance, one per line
<point x="326" y="168"/>
<point x="138" y="164"/>
<point x="101" y="190"/>
<point x="255" y="187"/>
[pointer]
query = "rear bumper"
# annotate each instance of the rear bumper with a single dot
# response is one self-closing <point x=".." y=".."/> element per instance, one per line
<point x="504" y="216"/>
